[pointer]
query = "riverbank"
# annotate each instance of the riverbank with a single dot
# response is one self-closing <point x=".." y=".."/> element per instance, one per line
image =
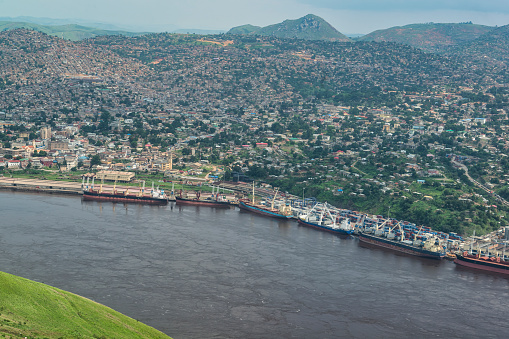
<point x="32" y="310"/>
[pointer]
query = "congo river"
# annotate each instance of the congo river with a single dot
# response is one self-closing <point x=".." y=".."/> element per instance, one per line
<point x="198" y="272"/>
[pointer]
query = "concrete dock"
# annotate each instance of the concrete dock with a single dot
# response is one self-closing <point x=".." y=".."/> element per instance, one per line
<point x="61" y="187"/>
<point x="35" y="185"/>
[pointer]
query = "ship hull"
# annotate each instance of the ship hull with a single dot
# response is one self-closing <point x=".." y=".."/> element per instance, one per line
<point x="324" y="228"/>
<point x="207" y="203"/>
<point x="123" y="198"/>
<point x="399" y="247"/>
<point x="262" y="211"/>
<point x="482" y="264"/>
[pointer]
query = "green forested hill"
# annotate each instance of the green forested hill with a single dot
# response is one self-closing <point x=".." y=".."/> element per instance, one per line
<point x="493" y="45"/>
<point x="309" y="27"/>
<point x="432" y="37"/>
<point x="244" y="29"/>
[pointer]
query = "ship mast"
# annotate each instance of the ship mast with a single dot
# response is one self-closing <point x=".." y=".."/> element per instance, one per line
<point x="472" y="243"/>
<point x="253" y="193"/>
<point x="102" y="182"/>
<point x="115" y="184"/>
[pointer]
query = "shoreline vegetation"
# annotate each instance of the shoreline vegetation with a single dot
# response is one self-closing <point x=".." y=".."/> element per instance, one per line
<point x="29" y="309"/>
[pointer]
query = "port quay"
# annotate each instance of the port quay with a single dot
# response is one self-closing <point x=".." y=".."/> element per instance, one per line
<point x="76" y="188"/>
<point x="51" y="186"/>
<point x="44" y="186"/>
<point x="487" y="247"/>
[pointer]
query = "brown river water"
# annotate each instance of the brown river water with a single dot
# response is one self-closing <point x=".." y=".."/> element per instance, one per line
<point x="197" y="272"/>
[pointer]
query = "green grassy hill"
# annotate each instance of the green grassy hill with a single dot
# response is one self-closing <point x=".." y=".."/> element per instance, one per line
<point x="34" y="310"/>
<point x="244" y="29"/>
<point x="70" y="32"/>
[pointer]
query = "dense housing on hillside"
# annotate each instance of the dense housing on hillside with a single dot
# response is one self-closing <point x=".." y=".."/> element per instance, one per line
<point x="364" y="125"/>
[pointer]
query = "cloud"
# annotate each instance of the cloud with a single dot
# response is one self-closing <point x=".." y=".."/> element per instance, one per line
<point x="412" y="5"/>
<point x="351" y="16"/>
<point x="217" y="14"/>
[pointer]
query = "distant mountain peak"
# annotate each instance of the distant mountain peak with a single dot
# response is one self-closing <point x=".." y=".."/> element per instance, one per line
<point x="309" y="27"/>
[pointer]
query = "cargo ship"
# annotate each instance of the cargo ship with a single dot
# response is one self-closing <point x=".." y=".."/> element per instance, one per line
<point x="426" y="244"/>
<point x="491" y="264"/>
<point x="321" y="218"/>
<point x="263" y="210"/>
<point x="154" y="197"/>
<point x="213" y="201"/>
<point x="283" y="212"/>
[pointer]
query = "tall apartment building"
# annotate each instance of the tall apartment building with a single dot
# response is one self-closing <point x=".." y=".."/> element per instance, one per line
<point x="46" y="133"/>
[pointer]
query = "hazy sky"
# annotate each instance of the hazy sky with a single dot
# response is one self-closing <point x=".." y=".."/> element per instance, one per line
<point x="348" y="16"/>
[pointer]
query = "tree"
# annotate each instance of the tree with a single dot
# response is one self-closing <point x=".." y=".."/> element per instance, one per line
<point x="353" y="111"/>
<point x="95" y="160"/>
<point x="277" y="128"/>
<point x="105" y="121"/>
<point x="257" y="171"/>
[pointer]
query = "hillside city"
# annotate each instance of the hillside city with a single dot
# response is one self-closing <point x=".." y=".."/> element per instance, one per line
<point x="377" y="127"/>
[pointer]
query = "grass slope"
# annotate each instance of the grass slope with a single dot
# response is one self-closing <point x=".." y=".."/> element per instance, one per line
<point x="244" y="29"/>
<point x="34" y="310"/>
